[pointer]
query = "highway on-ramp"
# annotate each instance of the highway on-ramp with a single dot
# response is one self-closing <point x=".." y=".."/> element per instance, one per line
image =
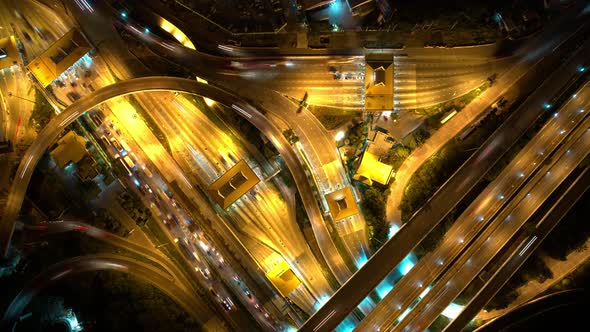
<point x="56" y="126"/>
<point x="63" y="226"/>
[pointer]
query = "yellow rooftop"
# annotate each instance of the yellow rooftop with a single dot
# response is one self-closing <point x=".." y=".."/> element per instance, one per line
<point x="341" y="203"/>
<point x="60" y="56"/>
<point x="283" y="278"/>
<point x="379" y="82"/>
<point x="9" y="53"/>
<point x="371" y="169"/>
<point x="70" y="148"/>
<point x="233" y="184"/>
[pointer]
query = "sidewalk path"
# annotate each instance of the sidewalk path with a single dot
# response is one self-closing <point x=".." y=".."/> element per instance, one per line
<point x="508" y="85"/>
<point x="438" y="139"/>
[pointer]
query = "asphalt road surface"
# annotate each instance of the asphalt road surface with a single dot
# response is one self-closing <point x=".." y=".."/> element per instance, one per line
<point x="500" y="231"/>
<point x="482" y="209"/>
<point x="455" y="188"/>
<point x="514" y="260"/>
<point x="81" y="264"/>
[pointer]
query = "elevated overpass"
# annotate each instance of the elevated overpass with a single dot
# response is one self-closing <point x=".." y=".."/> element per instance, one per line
<point x="51" y="132"/>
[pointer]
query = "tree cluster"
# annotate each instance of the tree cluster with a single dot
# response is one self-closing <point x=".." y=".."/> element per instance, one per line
<point x="533" y="269"/>
<point x="374" y="201"/>
<point x="571" y="233"/>
<point x="114" y="302"/>
<point x="428" y="178"/>
<point x="396" y="156"/>
<point x="134" y="207"/>
<point x="104" y="220"/>
<point x="356" y="135"/>
<point x="417" y="138"/>
<point x="42" y="112"/>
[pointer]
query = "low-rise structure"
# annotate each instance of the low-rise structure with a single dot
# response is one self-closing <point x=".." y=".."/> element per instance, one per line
<point x="283" y="278"/>
<point x="379" y="82"/>
<point x="60" y="56"/>
<point x="86" y="169"/>
<point x="380" y="143"/>
<point x="371" y="169"/>
<point x="341" y="203"/>
<point x="237" y="181"/>
<point x="70" y="148"/>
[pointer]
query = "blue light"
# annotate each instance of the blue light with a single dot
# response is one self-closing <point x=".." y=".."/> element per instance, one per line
<point x="146" y="30"/>
<point x="136" y="182"/>
<point x="581" y="69"/>
<point x="87" y="60"/>
<point x="498" y="17"/>
<point x="124" y="14"/>
<point x="362" y="260"/>
<point x="392" y="230"/>
<point x="383" y="289"/>
<point x="321" y="301"/>
<point x="406" y="265"/>
<point x="347" y="325"/>
<point x="452" y="311"/>
<point x="546" y="106"/>
<point x="335" y="7"/>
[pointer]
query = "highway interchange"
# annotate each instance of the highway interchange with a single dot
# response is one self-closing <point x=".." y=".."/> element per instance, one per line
<point x="383" y="262"/>
<point x="486" y="205"/>
<point x="192" y="165"/>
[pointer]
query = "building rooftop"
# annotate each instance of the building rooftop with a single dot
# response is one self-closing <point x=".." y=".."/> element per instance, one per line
<point x="341" y="203"/>
<point x="9" y="52"/>
<point x="60" y="56"/>
<point x="283" y="278"/>
<point x="379" y="82"/>
<point x="86" y="169"/>
<point x="380" y="144"/>
<point x="232" y="185"/>
<point x="70" y="148"/>
<point x="371" y="169"/>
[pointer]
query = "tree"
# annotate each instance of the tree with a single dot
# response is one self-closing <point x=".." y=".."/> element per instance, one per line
<point x="418" y="138"/>
<point x="396" y="156"/>
<point x="373" y="206"/>
<point x="42" y="112"/>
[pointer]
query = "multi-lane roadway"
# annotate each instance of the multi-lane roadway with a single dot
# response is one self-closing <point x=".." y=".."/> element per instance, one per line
<point x="513" y="260"/>
<point x="51" y="132"/>
<point x="456" y="187"/>
<point x="204" y="151"/>
<point x="500" y="231"/>
<point x="479" y="213"/>
<point x="422" y="81"/>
